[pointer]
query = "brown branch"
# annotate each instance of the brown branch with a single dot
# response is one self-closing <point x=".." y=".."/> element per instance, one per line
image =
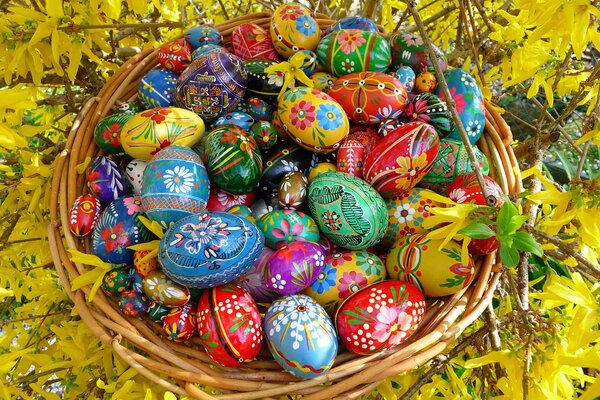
<point x="143" y="26"/>
<point x="430" y="20"/>
<point x="527" y="148"/>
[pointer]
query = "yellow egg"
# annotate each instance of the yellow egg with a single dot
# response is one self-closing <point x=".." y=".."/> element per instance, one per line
<point x="417" y="259"/>
<point x="293" y="29"/>
<point x="149" y="131"/>
<point x="319" y="169"/>
<point x="322" y="81"/>
<point x="313" y="119"/>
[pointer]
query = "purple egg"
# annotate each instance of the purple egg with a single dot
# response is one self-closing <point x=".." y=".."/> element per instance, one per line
<point x="254" y="279"/>
<point x="294" y="267"/>
<point x="106" y="180"/>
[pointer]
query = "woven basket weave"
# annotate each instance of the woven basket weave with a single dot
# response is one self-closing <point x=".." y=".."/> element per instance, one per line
<point x="180" y="368"/>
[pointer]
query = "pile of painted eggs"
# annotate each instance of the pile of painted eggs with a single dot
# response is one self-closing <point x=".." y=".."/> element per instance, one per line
<point x="310" y="204"/>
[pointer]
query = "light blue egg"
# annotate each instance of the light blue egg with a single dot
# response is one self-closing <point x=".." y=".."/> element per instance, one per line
<point x="203" y="35"/>
<point x="238" y="118"/>
<point x="406" y="76"/>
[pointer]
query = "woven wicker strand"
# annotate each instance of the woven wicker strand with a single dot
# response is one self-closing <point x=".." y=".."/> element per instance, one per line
<point x="179" y="367"/>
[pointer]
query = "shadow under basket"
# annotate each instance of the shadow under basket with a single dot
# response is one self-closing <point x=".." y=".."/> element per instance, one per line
<point x="186" y="369"/>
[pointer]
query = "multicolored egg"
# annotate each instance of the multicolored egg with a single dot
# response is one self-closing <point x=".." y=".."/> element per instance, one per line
<point x="175" y="185"/>
<point x="233" y="159"/>
<point x="116" y="281"/>
<point x="401" y="159"/>
<point x="161" y="289"/>
<point x="293" y="267"/>
<point x="180" y="324"/>
<point x="203" y="35"/>
<point x="250" y="40"/>
<point x="419" y="260"/>
<point x="149" y="131"/>
<point x="132" y="303"/>
<point x="136" y="280"/>
<point x="406" y="214"/>
<point x="344" y="274"/>
<point x="243" y="211"/>
<point x="320" y="169"/>
<point x="380" y="316"/>
<point x="229" y="325"/>
<point x="157" y="312"/>
<point x="84" y="215"/>
<point x="210" y="249"/>
<point x="369" y="97"/>
<point x="365" y="134"/>
<point x="207" y="49"/>
<point x="465" y="188"/>
<point x="259" y="109"/>
<point x="322" y="81"/>
<point x="212" y="85"/>
<point x="293" y="29"/>
<point x="429" y="108"/>
<point x="309" y="63"/>
<point x="300" y="336"/>
<point x="351" y="158"/>
<point x="261" y="83"/>
<point x="264" y="134"/>
<point x="240" y="119"/>
<point x="220" y="200"/>
<point x="347" y="210"/>
<point x="143" y="265"/>
<point x="388" y="125"/>
<point x="351" y="50"/>
<point x="410" y="50"/>
<point x="469" y="101"/>
<point x="156" y="88"/>
<point x="134" y="172"/>
<point x="425" y="82"/>
<point x="284" y="157"/>
<point x="105" y="179"/>
<point x="253" y="280"/>
<point x="107" y="133"/>
<point x="281" y="227"/>
<point x="313" y="119"/>
<point x="175" y="56"/>
<point x="292" y="190"/>
<point x="118" y="229"/>
<point x="406" y="76"/>
<point x="353" y="22"/>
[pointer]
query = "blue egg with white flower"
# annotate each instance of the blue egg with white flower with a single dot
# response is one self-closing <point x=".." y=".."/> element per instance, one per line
<point x="406" y="76"/>
<point x="202" y="35"/>
<point x="209" y="249"/>
<point x="309" y="63"/>
<point x="175" y="185"/>
<point x="157" y="88"/>
<point x="207" y="49"/>
<point x="354" y="22"/>
<point x="300" y="336"/>
<point x="136" y="280"/>
<point x="241" y="119"/>
<point x="469" y="101"/>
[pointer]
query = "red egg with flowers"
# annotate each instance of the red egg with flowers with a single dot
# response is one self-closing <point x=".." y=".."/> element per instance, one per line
<point x="84" y="215"/>
<point x="175" y="56"/>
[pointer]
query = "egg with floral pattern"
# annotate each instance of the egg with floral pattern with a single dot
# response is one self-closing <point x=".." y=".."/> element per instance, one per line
<point x="116" y="281"/>
<point x="344" y="274"/>
<point x="264" y="134"/>
<point x="293" y="29"/>
<point x="179" y="324"/>
<point x="465" y="189"/>
<point x="406" y="76"/>
<point x="313" y="119"/>
<point x="322" y="81"/>
<point x="409" y="49"/>
<point x="105" y="179"/>
<point x="157" y="312"/>
<point x="294" y="266"/>
<point x="175" y="185"/>
<point x="309" y="62"/>
<point x="251" y="40"/>
<point x="282" y="158"/>
<point x="108" y="131"/>
<point x="157" y="87"/>
<point x="144" y="265"/>
<point x="220" y="200"/>
<point x="134" y="172"/>
<point x="202" y="35"/>
<point x="300" y="336"/>
<point x="132" y="303"/>
<point x="207" y="49"/>
<point x="253" y="280"/>
<point x="429" y="108"/>
<point x="292" y="190"/>
<point x="346" y="51"/>
<point x="175" y="56"/>
<point x="351" y="158"/>
<point x="243" y="211"/>
<point x="261" y="83"/>
<point x="241" y="119"/>
<point x="161" y="289"/>
<point x="380" y="316"/>
<point x="419" y="260"/>
<point x="84" y="215"/>
<point x="229" y="325"/>
<point x="259" y="109"/>
<point x="285" y="226"/>
<point x="353" y="22"/>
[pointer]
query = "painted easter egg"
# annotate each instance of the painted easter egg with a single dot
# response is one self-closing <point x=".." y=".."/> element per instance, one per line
<point x="347" y="210"/>
<point x="175" y="185"/>
<point x="207" y="49"/>
<point x="406" y="76"/>
<point x="261" y="83"/>
<point x="465" y="188"/>
<point x="344" y="274"/>
<point x="250" y="40"/>
<point x="253" y="280"/>
<point x="118" y="229"/>
<point x="425" y="82"/>
<point x="429" y="108"/>
<point x="309" y="62"/>
<point x="243" y="211"/>
<point x="143" y="265"/>
<point x="280" y="159"/>
<point x="175" y="56"/>
<point x="293" y="29"/>
<point x="388" y="125"/>
<point x="313" y="119"/>
<point x="369" y="97"/>
<point x="132" y="303"/>
<point x="128" y="107"/>
<point x="469" y="102"/>
<point x="264" y="134"/>
<point x="180" y="324"/>
<point x="212" y="85"/>
<point x="220" y="200"/>
<point x="241" y="119"/>
<point x="84" y="215"/>
<point x="400" y="160"/>
<point x="136" y="280"/>
<point x="156" y="88"/>
<point x="161" y="289"/>
<point x="300" y="336"/>
<point x="406" y="214"/>
<point x="229" y="325"/>
<point x="233" y="159"/>
<point x="281" y="227"/>
<point x="292" y="190"/>
<point x="105" y="179"/>
<point x="452" y="160"/>
<point x="134" y="172"/>
<point x="410" y="50"/>
<point x="157" y="312"/>
<point x="380" y="316"/>
<point x="320" y="169"/>
<point x="149" y="131"/>
<point x="294" y="266"/>
<point x="259" y="109"/>
<point x="209" y="249"/>
<point x="108" y="131"/>
<point x="322" y="81"/>
<point x="365" y="134"/>
<point x="351" y="50"/>
<point x="418" y="260"/>
<point x="116" y="281"/>
<point x="202" y="35"/>
<point x="354" y="22"/>
<point x="351" y="158"/>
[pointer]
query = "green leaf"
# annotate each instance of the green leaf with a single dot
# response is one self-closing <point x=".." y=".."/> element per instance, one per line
<point x="477" y="231"/>
<point x="505" y="215"/>
<point x="509" y="255"/>
<point x="524" y="241"/>
<point x="517" y="222"/>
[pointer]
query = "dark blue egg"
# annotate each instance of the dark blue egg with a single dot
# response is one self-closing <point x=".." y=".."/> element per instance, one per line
<point x="136" y="280"/>
<point x="240" y="119"/>
<point x="133" y="304"/>
<point x="355" y="22"/>
<point x="203" y="35"/>
<point x="207" y="49"/>
<point x="310" y="63"/>
<point x="118" y="229"/>
<point x="106" y="180"/>
<point x="157" y="88"/>
<point x="259" y="109"/>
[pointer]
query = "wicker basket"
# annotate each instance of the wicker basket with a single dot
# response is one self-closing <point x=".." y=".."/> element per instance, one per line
<point x="179" y="367"/>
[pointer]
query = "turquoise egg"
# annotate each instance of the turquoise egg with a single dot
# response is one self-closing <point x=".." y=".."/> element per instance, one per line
<point x="203" y="35"/>
<point x="406" y="76"/>
<point x="241" y="119"/>
<point x="206" y="49"/>
<point x="157" y="88"/>
<point x="281" y="227"/>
